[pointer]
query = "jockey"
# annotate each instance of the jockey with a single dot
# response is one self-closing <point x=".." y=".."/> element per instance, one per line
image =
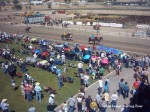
<point x="92" y="36"/>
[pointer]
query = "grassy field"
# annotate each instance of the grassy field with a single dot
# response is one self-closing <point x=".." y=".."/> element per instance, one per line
<point x="15" y="98"/>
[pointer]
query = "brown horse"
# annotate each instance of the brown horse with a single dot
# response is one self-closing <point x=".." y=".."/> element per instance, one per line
<point x="27" y="29"/>
<point x="96" y="40"/>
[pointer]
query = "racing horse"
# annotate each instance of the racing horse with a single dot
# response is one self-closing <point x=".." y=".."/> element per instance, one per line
<point x="96" y="27"/>
<point x="67" y="37"/>
<point x="96" y="40"/>
<point x="27" y="29"/>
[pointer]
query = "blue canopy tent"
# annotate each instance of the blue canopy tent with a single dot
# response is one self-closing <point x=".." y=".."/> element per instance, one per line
<point x="108" y="49"/>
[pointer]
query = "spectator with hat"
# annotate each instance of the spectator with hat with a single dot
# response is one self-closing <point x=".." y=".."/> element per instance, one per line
<point x="38" y="91"/>
<point x="51" y="100"/>
<point x="5" y="105"/>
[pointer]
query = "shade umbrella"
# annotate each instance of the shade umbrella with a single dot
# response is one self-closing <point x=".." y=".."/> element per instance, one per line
<point x="37" y="51"/>
<point x="33" y="39"/>
<point x="86" y="57"/>
<point x="104" y="60"/>
<point x="94" y="57"/>
<point x="44" y="62"/>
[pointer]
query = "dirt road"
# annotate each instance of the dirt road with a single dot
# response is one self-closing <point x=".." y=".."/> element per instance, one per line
<point x="126" y="44"/>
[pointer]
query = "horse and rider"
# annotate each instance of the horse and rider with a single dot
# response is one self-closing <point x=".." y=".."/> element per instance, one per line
<point x="95" y="39"/>
<point x="67" y="36"/>
<point x="27" y="29"/>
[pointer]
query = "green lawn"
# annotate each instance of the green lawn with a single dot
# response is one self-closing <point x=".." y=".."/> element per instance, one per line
<point x="15" y="99"/>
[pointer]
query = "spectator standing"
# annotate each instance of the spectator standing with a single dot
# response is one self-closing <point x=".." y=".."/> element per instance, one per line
<point x="106" y="97"/>
<point x="60" y="81"/>
<point x="6" y="67"/>
<point x="101" y="72"/>
<point x="106" y="87"/>
<point x="145" y="75"/>
<point x="38" y="91"/>
<point x="103" y="106"/>
<point x="79" y="103"/>
<point x="3" y="68"/>
<point x="121" y="86"/>
<point x="63" y="58"/>
<point x="93" y="106"/>
<point x="86" y="80"/>
<point x="100" y="85"/>
<point x="98" y="100"/>
<point x="87" y="103"/>
<point x="114" y="99"/>
<point x="28" y="91"/>
<point x="51" y="99"/>
<point x="126" y="90"/>
<point x="71" y="104"/>
<point x="80" y="65"/>
<point x="22" y="89"/>
<point x="64" y="107"/>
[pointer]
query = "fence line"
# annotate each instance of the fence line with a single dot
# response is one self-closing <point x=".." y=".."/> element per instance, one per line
<point x="90" y="31"/>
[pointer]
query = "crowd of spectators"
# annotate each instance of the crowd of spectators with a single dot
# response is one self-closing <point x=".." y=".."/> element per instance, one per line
<point x="31" y="88"/>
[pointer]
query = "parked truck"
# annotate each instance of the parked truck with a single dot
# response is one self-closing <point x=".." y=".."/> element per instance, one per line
<point x="35" y="18"/>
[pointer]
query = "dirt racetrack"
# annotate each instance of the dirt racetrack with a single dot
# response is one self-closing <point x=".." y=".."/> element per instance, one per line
<point x="130" y="45"/>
